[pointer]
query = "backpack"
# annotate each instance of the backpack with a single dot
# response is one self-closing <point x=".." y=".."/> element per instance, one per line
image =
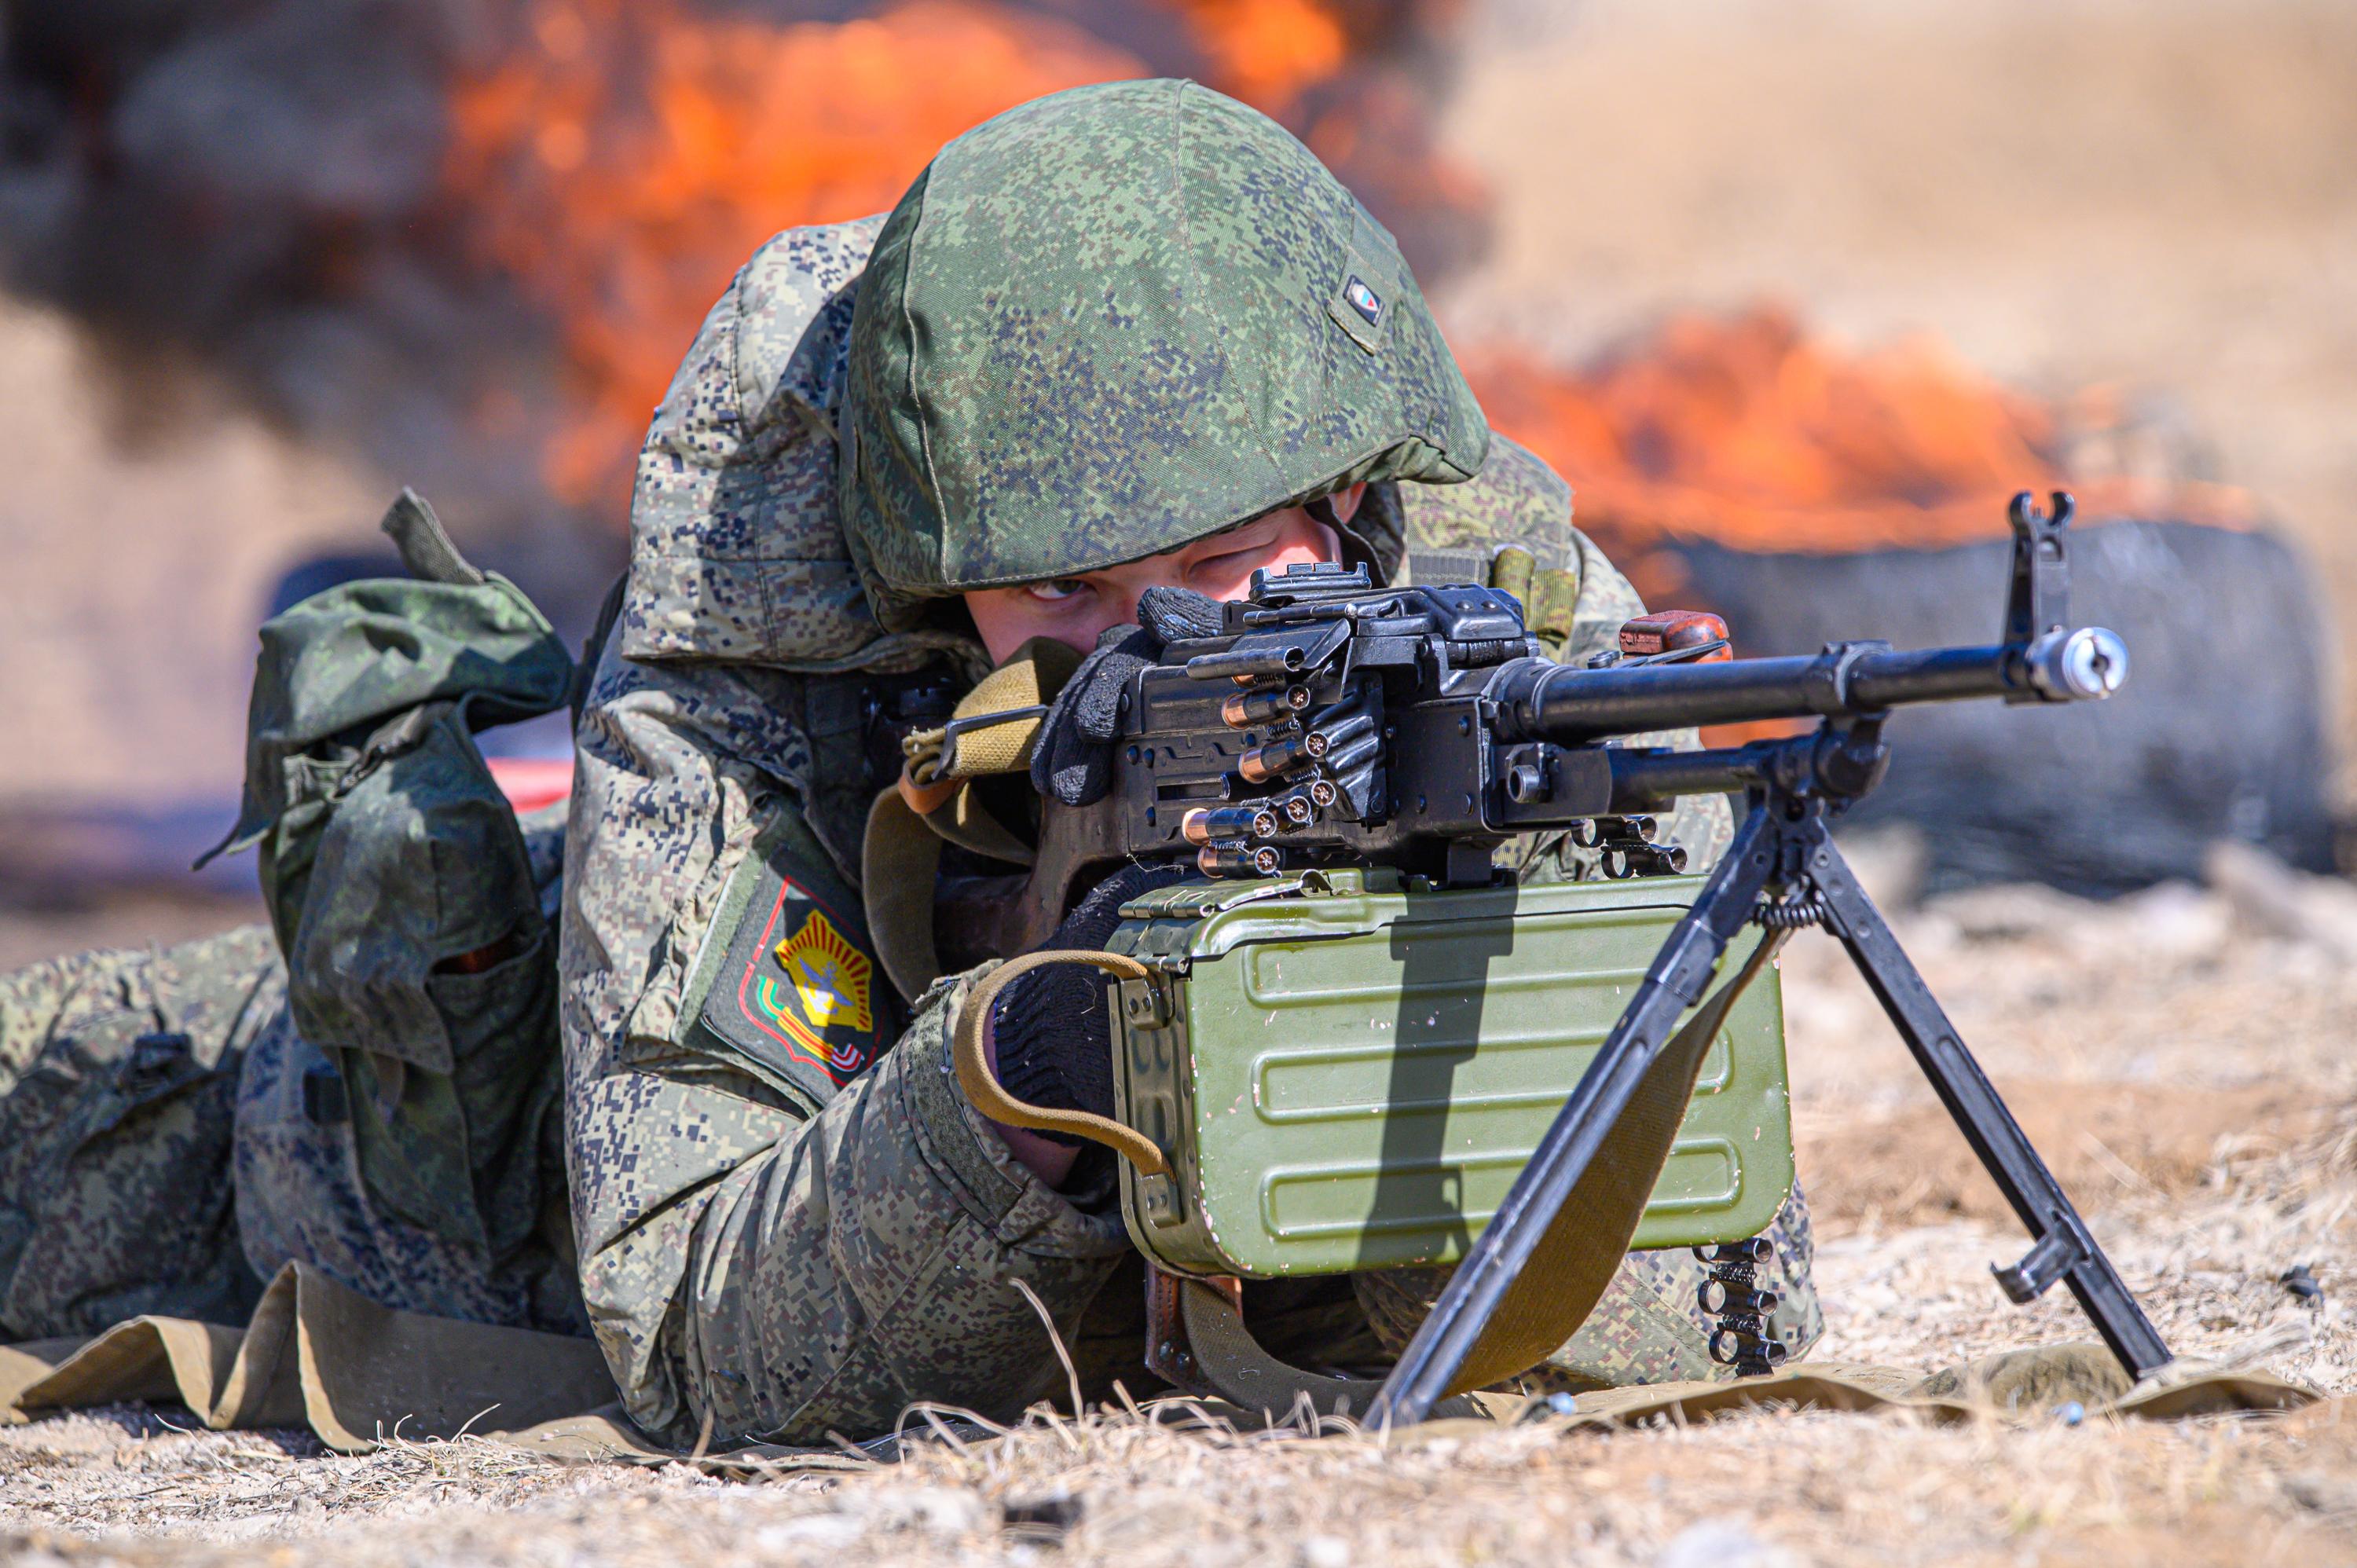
<point x="421" y="953"/>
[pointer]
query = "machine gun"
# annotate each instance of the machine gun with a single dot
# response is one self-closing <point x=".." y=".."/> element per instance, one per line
<point x="1334" y="723"/>
<point x="1337" y="725"/>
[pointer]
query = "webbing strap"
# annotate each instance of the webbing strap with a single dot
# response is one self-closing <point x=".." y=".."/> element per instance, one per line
<point x="994" y="725"/>
<point x="1232" y="1362"/>
<point x="899" y="860"/>
<point x="1559" y="1286"/>
<point x="992" y="731"/>
<point x="1546" y="583"/>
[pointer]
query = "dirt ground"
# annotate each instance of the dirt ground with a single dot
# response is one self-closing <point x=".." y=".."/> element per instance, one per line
<point x="2185" y="1072"/>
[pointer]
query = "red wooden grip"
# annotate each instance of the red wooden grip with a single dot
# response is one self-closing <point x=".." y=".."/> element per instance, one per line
<point x="1665" y="631"/>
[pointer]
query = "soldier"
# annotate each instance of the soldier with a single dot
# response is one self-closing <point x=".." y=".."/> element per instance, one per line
<point x="1125" y="338"/>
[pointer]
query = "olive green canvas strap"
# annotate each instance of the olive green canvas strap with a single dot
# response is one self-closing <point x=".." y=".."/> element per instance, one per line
<point x="991" y="734"/>
<point x="1233" y="1365"/>
<point x="426" y="551"/>
<point x="1560" y="1284"/>
<point x="995" y="725"/>
<point x="899" y="859"/>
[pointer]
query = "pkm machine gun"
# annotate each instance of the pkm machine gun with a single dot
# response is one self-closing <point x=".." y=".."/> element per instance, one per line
<point x="1336" y="724"/>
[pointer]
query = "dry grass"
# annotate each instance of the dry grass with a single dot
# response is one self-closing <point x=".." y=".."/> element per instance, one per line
<point x="1766" y="1488"/>
<point x="2191" y="1089"/>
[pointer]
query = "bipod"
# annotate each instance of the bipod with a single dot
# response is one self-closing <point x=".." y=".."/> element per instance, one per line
<point x="1782" y="872"/>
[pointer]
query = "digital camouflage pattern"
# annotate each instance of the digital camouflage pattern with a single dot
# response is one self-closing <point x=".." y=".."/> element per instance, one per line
<point x="722" y="567"/>
<point x="784" y="1271"/>
<point x="118" y="1094"/>
<point x="169" y="1138"/>
<point x="382" y="1104"/>
<point x="397" y="1124"/>
<point x="430" y="1188"/>
<point x="1113" y="320"/>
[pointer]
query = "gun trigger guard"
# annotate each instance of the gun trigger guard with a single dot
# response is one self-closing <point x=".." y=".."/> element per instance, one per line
<point x="989" y="1097"/>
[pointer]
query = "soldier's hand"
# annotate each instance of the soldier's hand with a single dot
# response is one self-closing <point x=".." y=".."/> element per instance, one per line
<point x="1053" y="1034"/>
<point x="1073" y="761"/>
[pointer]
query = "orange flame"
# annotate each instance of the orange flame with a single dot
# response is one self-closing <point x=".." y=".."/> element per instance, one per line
<point x="624" y="168"/>
<point x="621" y="167"/>
<point x="1266" y="51"/>
<point x="1743" y="431"/>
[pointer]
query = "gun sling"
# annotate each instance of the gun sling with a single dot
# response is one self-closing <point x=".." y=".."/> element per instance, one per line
<point x="990" y="733"/>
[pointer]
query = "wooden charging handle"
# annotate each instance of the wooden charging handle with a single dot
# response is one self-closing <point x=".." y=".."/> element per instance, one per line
<point x="1666" y="631"/>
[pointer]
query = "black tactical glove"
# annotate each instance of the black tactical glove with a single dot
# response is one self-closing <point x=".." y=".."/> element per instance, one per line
<point x="1073" y="761"/>
<point x="1055" y="1038"/>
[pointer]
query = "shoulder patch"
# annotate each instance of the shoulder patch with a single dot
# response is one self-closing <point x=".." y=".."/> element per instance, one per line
<point x="829" y="979"/>
<point x="806" y="993"/>
<point x="794" y="994"/>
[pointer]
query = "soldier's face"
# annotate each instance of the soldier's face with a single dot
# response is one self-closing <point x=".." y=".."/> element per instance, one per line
<point x="1075" y="610"/>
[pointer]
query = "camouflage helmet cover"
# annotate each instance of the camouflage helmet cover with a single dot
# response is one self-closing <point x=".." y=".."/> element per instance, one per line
<point x="1112" y="321"/>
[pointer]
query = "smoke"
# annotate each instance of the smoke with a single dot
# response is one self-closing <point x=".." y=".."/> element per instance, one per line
<point x="280" y="201"/>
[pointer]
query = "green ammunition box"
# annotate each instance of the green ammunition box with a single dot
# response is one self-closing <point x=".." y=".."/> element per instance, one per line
<point x="1346" y="1072"/>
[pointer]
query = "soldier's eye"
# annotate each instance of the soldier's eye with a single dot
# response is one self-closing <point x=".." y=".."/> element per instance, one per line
<point x="1060" y="588"/>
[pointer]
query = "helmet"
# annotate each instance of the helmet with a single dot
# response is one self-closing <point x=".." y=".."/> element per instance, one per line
<point x="1115" y="320"/>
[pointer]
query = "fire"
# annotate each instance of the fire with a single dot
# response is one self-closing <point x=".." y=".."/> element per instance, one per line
<point x="621" y="164"/>
<point x="1742" y="431"/>
<point x="620" y="171"/>
<point x="1266" y="51"/>
<point x="624" y="164"/>
<point x="1745" y="432"/>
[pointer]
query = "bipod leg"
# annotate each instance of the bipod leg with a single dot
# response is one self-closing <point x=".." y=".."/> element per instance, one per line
<point x="1680" y="974"/>
<point x="2062" y="1247"/>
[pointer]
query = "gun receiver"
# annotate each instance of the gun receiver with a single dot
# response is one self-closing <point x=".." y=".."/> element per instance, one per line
<point x="1335" y="723"/>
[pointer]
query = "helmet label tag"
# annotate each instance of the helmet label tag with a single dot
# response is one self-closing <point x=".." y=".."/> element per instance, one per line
<point x="1360" y="302"/>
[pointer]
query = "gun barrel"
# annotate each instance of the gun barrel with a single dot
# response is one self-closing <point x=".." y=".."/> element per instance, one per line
<point x="1538" y="701"/>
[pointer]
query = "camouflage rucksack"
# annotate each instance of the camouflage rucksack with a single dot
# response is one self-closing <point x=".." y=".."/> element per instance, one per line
<point x="420" y="946"/>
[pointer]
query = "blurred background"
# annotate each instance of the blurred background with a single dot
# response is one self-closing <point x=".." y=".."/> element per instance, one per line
<point x="1795" y="292"/>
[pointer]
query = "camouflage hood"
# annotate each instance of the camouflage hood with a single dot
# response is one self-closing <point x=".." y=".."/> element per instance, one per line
<point x="1115" y="320"/>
